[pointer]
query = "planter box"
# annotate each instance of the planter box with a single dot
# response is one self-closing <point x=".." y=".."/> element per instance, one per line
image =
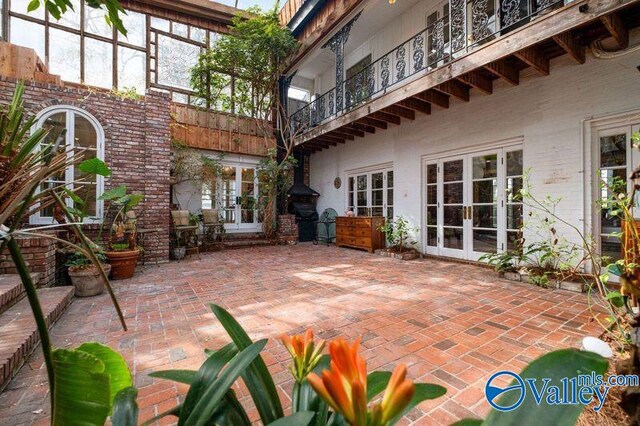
<point x="407" y="255"/>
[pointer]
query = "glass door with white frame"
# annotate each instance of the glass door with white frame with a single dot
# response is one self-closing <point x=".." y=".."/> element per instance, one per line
<point x="471" y="203"/>
<point x="238" y="192"/>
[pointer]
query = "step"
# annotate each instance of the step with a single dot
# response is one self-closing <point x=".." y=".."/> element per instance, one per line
<point x="233" y="236"/>
<point x="18" y="333"/>
<point x="238" y="243"/>
<point x="12" y="290"/>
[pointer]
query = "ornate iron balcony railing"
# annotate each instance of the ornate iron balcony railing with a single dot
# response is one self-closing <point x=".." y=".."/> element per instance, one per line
<point x="469" y="24"/>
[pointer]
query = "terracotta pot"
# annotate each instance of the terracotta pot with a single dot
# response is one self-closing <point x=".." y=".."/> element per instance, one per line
<point x="123" y="263"/>
<point x="88" y="281"/>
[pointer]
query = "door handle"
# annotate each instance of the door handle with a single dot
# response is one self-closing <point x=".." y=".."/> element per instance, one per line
<point x="469" y="212"/>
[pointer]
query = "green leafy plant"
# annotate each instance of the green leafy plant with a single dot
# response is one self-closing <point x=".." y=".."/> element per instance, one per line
<point x="126" y="93"/>
<point x="57" y="8"/>
<point x="122" y="218"/>
<point x="398" y="233"/>
<point x="78" y="260"/>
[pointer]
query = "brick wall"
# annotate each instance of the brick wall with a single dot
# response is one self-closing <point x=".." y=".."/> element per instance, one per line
<point x="40" y="256"/>
<point x="137" y="147"/>
<point x="287" y="229"/>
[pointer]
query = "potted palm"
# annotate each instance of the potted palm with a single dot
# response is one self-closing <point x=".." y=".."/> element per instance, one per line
<point x="122" y="249"/>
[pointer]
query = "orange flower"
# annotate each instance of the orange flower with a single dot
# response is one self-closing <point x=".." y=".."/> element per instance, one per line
<point x="305" y="353"/>
<point x="344" y="388"/>
<point x="397" y="395"/>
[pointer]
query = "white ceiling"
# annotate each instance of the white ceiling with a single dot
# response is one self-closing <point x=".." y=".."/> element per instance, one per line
<point x="375" y="15"/>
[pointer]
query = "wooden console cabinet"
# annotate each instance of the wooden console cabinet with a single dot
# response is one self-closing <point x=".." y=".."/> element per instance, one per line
<point x="360" y="232"/>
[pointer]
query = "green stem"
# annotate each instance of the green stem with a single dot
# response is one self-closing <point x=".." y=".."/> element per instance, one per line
<point x="36" y="308"/>
<point x="295" y="397"/>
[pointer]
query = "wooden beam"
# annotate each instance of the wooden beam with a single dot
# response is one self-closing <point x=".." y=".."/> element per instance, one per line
<point x="341" y="135"/>
<point x="433" y="97"/>
<point x="416" y="105"/>
<point x="477" y="80"/>
<point x="352" y="131"/>
<point x="400" y="111"/>
<point x="504" y="71"/>
<point x="363" y="127"/>
<point x="385" y="116"/>
<point x="372" y="122"/>
<point x="533" y="57"/>
<point x="454" y="88"/>
<point x="330" y="139"/>
<point x="573" y="47"/>
<point x="616" y="28"/>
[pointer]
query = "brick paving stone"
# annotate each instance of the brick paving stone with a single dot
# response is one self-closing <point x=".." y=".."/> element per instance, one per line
<point x="452" y="324"/>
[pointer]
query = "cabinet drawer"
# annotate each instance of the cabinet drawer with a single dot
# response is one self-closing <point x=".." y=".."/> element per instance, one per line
<point x="352" y="231"/>
<point x="363" y="222"/>
<point x="363" y="232"/>
<point x="341" y="220"/>
<point x="346" y="240"/>
<point x="363" y="242"/>
<point x="342" y="230"/>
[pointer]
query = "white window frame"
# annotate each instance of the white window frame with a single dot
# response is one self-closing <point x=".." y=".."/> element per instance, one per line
<point x="381" y="168"/>
<point x="71" y="112"/>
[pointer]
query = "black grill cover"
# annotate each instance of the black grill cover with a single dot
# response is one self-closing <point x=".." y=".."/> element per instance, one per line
<point x="305" y="212"/>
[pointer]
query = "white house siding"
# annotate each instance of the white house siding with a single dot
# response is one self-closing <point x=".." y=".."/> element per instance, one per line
<point x="549" y="113"/>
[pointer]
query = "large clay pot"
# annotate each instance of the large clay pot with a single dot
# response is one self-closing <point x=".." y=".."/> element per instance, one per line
<point x="123" y="263"/>
<point x="88" y="281"/>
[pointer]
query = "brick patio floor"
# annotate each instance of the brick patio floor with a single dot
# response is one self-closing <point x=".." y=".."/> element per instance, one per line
<point x="452" y="324"/>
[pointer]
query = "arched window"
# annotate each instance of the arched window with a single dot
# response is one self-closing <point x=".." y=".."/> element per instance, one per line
<point x="83" y="132"/>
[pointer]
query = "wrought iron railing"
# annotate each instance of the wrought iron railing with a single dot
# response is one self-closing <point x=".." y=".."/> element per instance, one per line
<point x="469" y="24"/>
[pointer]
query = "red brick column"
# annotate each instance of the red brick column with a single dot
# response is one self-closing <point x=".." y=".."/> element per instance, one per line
<point x="287" y="229"/>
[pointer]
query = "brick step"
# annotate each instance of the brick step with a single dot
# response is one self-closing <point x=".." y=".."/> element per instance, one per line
<point x="233" y="244"/>
<point x="12" y="290"/>
<point x="243" y="236"/>
<point x="18" y="333"/>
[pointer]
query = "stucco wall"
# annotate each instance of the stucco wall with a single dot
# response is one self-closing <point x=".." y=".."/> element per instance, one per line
<point x="549" y="113"/>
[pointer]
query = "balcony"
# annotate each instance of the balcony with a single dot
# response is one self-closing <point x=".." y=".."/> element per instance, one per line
<point x="474" y="44"/>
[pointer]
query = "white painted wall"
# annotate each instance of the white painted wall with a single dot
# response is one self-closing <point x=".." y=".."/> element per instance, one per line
<point x="548" y="112"/>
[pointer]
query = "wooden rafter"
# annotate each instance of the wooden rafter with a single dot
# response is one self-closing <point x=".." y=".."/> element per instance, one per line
<point x="363" y="127"/>
<point x="372" y="122"/>
<point x="342" y="135"/>
<point x="571" y="45"/>
<point x="352" y="131"/>
<point x="533" y="57"/>
<point x="332" y="140"/>
<point x="477" y="80"/>
<point x="386" y="117"/>
<point x="416" y="105"/>
<point x="454" y="88"/>
<point x="503" y="70"/>
<point x="400" y="111"/>
<point x="435" y="98"/>
<point x="616" y="28"/>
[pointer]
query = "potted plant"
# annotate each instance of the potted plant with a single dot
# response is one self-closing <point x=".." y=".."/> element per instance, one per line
<point x="122" y="249"/>
<point x="85" y="276"/>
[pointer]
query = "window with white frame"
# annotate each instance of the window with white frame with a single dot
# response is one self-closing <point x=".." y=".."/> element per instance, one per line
<point x="370" y="193"/>
<point x="82" y="134"/>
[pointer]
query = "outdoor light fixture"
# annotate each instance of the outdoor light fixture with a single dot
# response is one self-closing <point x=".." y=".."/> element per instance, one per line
<point x="392" y="1"/>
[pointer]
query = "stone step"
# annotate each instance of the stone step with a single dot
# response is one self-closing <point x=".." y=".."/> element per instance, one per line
<point x="18" y="333"/>
<point x="243" y="236"/>
<point x="12" y="290"/>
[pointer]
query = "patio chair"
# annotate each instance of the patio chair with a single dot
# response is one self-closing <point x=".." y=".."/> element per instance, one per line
<point x="213" y="228"/>
<point x="186" y="233"/>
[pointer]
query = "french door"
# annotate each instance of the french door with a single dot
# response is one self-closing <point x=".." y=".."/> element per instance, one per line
<point x="471" y="207"/>
<point x="370" y="193"/>
<point x="238" y="193"/>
